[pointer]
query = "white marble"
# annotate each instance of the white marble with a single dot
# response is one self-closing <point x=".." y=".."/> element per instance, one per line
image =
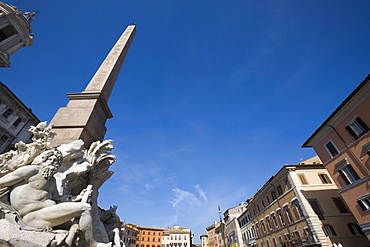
<point x="49" y="189"/>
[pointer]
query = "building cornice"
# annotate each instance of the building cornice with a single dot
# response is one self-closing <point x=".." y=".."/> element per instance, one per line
<point x="358" y="95"/>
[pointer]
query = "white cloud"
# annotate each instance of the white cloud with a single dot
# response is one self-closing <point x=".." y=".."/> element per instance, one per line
<point x="201" y="192"/>
<point x="184" y="201"/>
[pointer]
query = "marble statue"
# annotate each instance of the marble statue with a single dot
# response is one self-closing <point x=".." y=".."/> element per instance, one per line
<point x="56" y="189"/>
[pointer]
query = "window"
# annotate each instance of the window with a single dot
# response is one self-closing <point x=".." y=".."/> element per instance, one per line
<point x="348" y="174"/>
<point x="268" y="223"/>
<point x="257" y="229"/>
<point x="6" y="32"/>
<point x="263" y="204"/>
<point x="297" y="239"/>
<point x="268" y="243"/>
<point x="309" y="237"/>
<point x="268" y="199"/>
<point x="258" y="208"/>
<point x="273" y="195"/>
<point x="355" y="229"/>
<point x="332" y="150"/>
<point x="364" y="202"/>
<point x="346" y="171"/>
<point x="341" y="206"/>
<point x="7" y="113"/>
<point x="325" y="178"/>
<point x="357" y="127"/>
<point x="281" y="241"/>
<point x="274" y="242"/>
<point x="287" y="238"/>
<point x="280" y="217"/>
<point x="274" y="220"/>
<point x="287" y="214"/>
<point x="3" y="139"/>
<point x="287" y="183"/>
<point x="302" y="178"/>
<point x="297" y="210"/>
<point x="263" y="228"/>
<point x="316" y="208"/>
<point x="17" y="122"/>
<point x="279" y="190"/>
<point x="148" y="233"/>
<point x="329" y="230"/>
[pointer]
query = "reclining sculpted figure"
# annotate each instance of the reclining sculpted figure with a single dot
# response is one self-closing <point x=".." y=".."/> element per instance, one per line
<point x="33" y="193"/>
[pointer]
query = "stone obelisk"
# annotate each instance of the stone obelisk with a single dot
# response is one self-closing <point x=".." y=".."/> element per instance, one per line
<point x="86" y="113"/>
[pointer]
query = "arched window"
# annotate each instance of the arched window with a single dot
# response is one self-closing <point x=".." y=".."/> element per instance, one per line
<point x="7" y="113"/>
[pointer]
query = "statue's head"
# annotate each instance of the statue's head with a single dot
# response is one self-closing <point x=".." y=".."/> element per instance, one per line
<point x="49" y="162"/>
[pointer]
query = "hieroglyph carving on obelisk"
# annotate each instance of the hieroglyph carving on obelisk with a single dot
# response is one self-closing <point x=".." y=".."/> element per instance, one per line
<point x="86" y="113"/>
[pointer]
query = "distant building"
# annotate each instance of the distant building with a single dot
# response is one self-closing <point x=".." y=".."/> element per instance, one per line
<point x="15" y="120"/>
<point x="15" y="31"/>
<point x="204" y="240"/>
<point x="299" y="206"/>
<point x="343" y="144"/>
<point x="149" y="236"/>
<point x="247" y="228"/>
<point x="177" y="237"/>
<point x="212" y="236"/>
<point x="129" y="234"/>
<point x="232" y="229"/>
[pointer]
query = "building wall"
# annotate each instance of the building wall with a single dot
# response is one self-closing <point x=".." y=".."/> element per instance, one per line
<point x="129" y="235"/>
<point x="232" y="229"/>
<point x="284" y="212"/>
<point x="149" y="236"/>
<point x="176" y="237"/>
<point x="350" y="167"/>
<point x="204" y="240"/>
<point x="212" y="236"/>
<point x="15" y="120"/>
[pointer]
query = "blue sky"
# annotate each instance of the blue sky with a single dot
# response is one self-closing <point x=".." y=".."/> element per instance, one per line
<point x="214" y="96"/>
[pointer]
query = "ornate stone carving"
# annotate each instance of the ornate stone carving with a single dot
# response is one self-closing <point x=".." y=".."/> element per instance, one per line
<point x="56" y="190"/>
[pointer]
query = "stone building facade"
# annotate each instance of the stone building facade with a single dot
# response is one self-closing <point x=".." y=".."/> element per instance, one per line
<point x="15" y="120"/>
<point x="343" y="144"/>
<point x="299" y="206"/>
<point x="149" y="236"/>
<point x="212" y="236"/>
<point x="177" y="237"/>
<point x="232" y="230"/>
<point x="129" y="234"/>
<point x="204" y="240"/>
<point x="15" y="31"/>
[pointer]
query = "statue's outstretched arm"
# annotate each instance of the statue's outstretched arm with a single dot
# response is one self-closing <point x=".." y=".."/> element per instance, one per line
<point x="18" y="175"/>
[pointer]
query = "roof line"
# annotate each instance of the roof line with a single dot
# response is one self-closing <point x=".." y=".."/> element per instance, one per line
<point x="349" y="97"/>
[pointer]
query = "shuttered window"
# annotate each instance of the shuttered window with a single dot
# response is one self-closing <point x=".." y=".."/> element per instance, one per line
<point x="357" y="128"/>
<point x="332" y="150"/>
